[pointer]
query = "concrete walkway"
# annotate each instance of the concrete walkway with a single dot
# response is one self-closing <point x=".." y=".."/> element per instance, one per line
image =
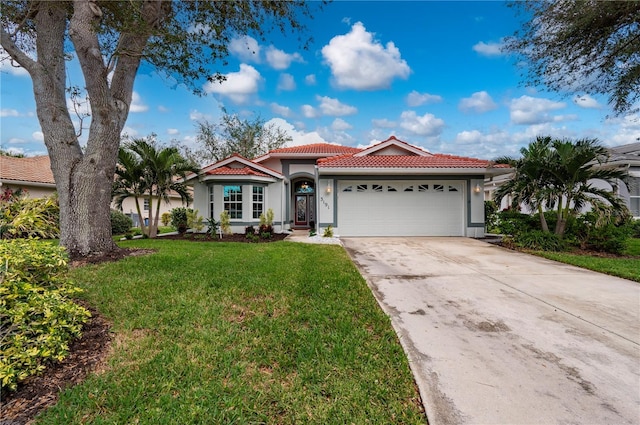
<point x="498" y="337"/>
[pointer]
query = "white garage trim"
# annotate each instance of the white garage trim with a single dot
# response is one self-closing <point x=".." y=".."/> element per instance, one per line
<point x="401" y="208"/>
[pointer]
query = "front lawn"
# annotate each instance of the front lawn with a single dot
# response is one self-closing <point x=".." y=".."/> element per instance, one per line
<point x="227" y="333"/>
<point x="627" y="267"/>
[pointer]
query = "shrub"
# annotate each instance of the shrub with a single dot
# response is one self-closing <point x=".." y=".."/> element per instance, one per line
<point x="266" y="219"/>
<point x="539" y="241"/>
<point x="179" y="219"/>
<point x="249" y="230"/>
<point x="490" y="217"/>
<point x="194" y="221"/>
<point x="165" y="218"/>
<point x="212" y="227"/>
<point x="608" y="235"/>
<point x="635" y="228"/>
<point x="120" y="223"/>
<point x="37" y="316"/>
<point x="265" y="231"/>
<point x="328" y="232"/>
<point x="512" y="222"/>
<point x="26" y="217"/>
<point x="225" y="222"/>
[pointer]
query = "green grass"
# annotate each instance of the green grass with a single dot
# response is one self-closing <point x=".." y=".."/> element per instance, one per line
<point x="240" y="334"/>
<point x="625" y="267"/>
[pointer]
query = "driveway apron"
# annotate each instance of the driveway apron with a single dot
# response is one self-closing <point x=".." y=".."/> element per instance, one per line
<point x="499" y="337"/>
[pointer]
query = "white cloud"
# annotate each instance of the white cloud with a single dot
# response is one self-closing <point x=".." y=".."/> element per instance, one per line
<point x="426" y="125"/>
<point x="12" y="150"/>
<point x="310" y="80"/>
<point x="478" y="102"/>
<point x="238" y="86"/>
<point x="416" y="99"/>
<point x="246" y="48"/>
<point x="136" y="103"/>
<point x="286" y="82"/>
<point x="359" y="62"/>
<point x="279" y="59"/>
<point x="489" y="49"/>
<point x="333" y="107"/>
<point x="195" y="115"/>
<point x="383" y="123"/>
<point x="38" y="136"/>
<point x="340" y="125"/>
<point x="533" y="110"/>
<point x="586" y="101"/>
<point x="285" y="111"/>
<point x="298" y="137"/>
<point x="163" y="109"/>
<point x="172" y="131"/>
<point x="16" y="141"/>
<point x="129" y="132"/>
<point x="5" y="112"/>
<point x="309" y="111"/>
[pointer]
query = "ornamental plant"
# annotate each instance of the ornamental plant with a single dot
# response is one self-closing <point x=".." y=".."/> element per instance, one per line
<point x="38" y="319"/>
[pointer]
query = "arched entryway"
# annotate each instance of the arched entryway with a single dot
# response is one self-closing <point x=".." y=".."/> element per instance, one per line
<point x="304" y="203"/>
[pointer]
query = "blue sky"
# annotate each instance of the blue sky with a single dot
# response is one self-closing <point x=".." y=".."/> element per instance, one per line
<point x="430" y="73"/>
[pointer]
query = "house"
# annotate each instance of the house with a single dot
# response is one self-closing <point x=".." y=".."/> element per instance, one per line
<point x="625" y="156"/>
<point x="34" y="175"/>
<point x="390" y="189"/>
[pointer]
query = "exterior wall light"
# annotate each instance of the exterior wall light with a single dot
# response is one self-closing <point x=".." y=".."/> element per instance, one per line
<point x="477" y="188"/>
<point x="328" y="190"/>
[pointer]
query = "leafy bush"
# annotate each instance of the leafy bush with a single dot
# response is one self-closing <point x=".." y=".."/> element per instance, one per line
<point x="194" y="221"/>
<point x="165" y="218"/>
<point x="225" y="222"/>
<point x="266" y="219"/>
<point x="179" y="219"/>
<point x="608" y="234"/>
<point x="249" y="230"/>
<point x="539" y="241"/>
<point x="37" y="317"/>
<point x="212" y="227"/>
<point x="22" y="217"/>
<point x="512" y="222"/>
<point x="328" y="232"/>
<point x="120" y="223"/>
<point x="635" y="228"/>
<point x="265" y="231"/>
<point x="490" y="217"/>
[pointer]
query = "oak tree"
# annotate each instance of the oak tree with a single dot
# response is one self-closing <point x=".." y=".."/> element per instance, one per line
<point x="582" y="46"/>
<point x="180" y="40"/>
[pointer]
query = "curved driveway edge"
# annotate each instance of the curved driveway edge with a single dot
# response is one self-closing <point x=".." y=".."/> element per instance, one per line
<point x="499" y="337"/>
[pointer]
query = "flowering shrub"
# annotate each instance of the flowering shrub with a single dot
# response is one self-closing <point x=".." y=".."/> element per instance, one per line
<point x="37" y="317"/>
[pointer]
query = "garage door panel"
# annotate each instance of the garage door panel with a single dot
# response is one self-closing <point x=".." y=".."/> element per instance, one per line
<point x="407" y="209"/>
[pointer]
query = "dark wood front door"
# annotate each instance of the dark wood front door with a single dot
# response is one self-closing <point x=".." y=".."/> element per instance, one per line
<point x="304" y="208"/>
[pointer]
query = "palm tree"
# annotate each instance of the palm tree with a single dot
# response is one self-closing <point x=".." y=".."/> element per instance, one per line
<point x="530" y="184"/>
<point x="574" y="167"/>
<point x="129" y="181"/>
<point x="152" y="172"/>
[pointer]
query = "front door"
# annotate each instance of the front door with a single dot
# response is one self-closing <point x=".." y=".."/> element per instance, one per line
<point x="303" y="210"/>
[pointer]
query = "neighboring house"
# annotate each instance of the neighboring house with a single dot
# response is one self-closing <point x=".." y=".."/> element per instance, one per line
<point x="625" y="156"/>
<point x="389" y="189"/>
<point x="34" y="174"/>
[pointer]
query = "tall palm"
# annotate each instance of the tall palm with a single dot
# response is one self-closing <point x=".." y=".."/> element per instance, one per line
<point x="156" y="171"/>
<point x="129" y="181"/>
<point x="574" y="167"/>
<point x="530" y="185"/>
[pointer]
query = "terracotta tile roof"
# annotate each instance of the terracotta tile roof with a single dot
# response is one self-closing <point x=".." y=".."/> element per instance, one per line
<point x="316" y="148"/>
<point x="228" y="171"/>
<point x="30" y="169"/>
<point x="402" y="161"/>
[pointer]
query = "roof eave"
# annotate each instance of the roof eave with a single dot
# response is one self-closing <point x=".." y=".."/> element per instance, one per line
<point x="236" y="178"/>
<point x="26" y="183"/>
<point x="411" y="171"/>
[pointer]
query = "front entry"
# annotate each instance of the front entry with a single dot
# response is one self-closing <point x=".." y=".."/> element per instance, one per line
<point x="304" y="204"/>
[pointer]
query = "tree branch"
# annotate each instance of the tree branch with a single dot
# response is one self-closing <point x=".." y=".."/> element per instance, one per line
<point x="16" y="53"/>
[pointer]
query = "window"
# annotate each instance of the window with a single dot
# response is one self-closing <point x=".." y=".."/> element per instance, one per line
<point x="438" y="188"/>
<point x="391" y="189"/>
<point x="146" y="204"/>
<point x="211" y="202"/>
<point x="304" y="187"/>
<point x="348" y="189"/>
<point x="258" y="201"/>
<point x="233" y="201"/>
<point x="423" y="187"/>
<point x="376" y="187"/>
<point x="634" y="196"/>
<point x="408" y="188"/>
<point x="362" y="188"/>
<point x="453" y="189"/>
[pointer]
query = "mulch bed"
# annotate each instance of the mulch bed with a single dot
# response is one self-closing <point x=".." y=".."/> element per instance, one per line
<point x="235" y="237"/>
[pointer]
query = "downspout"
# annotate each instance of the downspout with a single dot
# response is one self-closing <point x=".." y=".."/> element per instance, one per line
<point x="317" y="220"/>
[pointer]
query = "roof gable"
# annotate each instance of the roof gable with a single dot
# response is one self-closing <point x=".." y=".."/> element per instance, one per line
<point x="237" y="165"/>
<point x="311" y="151"/>
<point x="393" y="147"/>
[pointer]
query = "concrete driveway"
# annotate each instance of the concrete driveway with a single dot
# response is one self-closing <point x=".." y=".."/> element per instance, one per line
<point x="498" y="337"/>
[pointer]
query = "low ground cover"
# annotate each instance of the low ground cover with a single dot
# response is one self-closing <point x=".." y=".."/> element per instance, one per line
<point x="240" y="333"/>
<point x="626" y="266"/>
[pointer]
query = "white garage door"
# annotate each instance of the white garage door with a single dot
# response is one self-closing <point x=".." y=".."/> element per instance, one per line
<point x="400" y="208"/>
